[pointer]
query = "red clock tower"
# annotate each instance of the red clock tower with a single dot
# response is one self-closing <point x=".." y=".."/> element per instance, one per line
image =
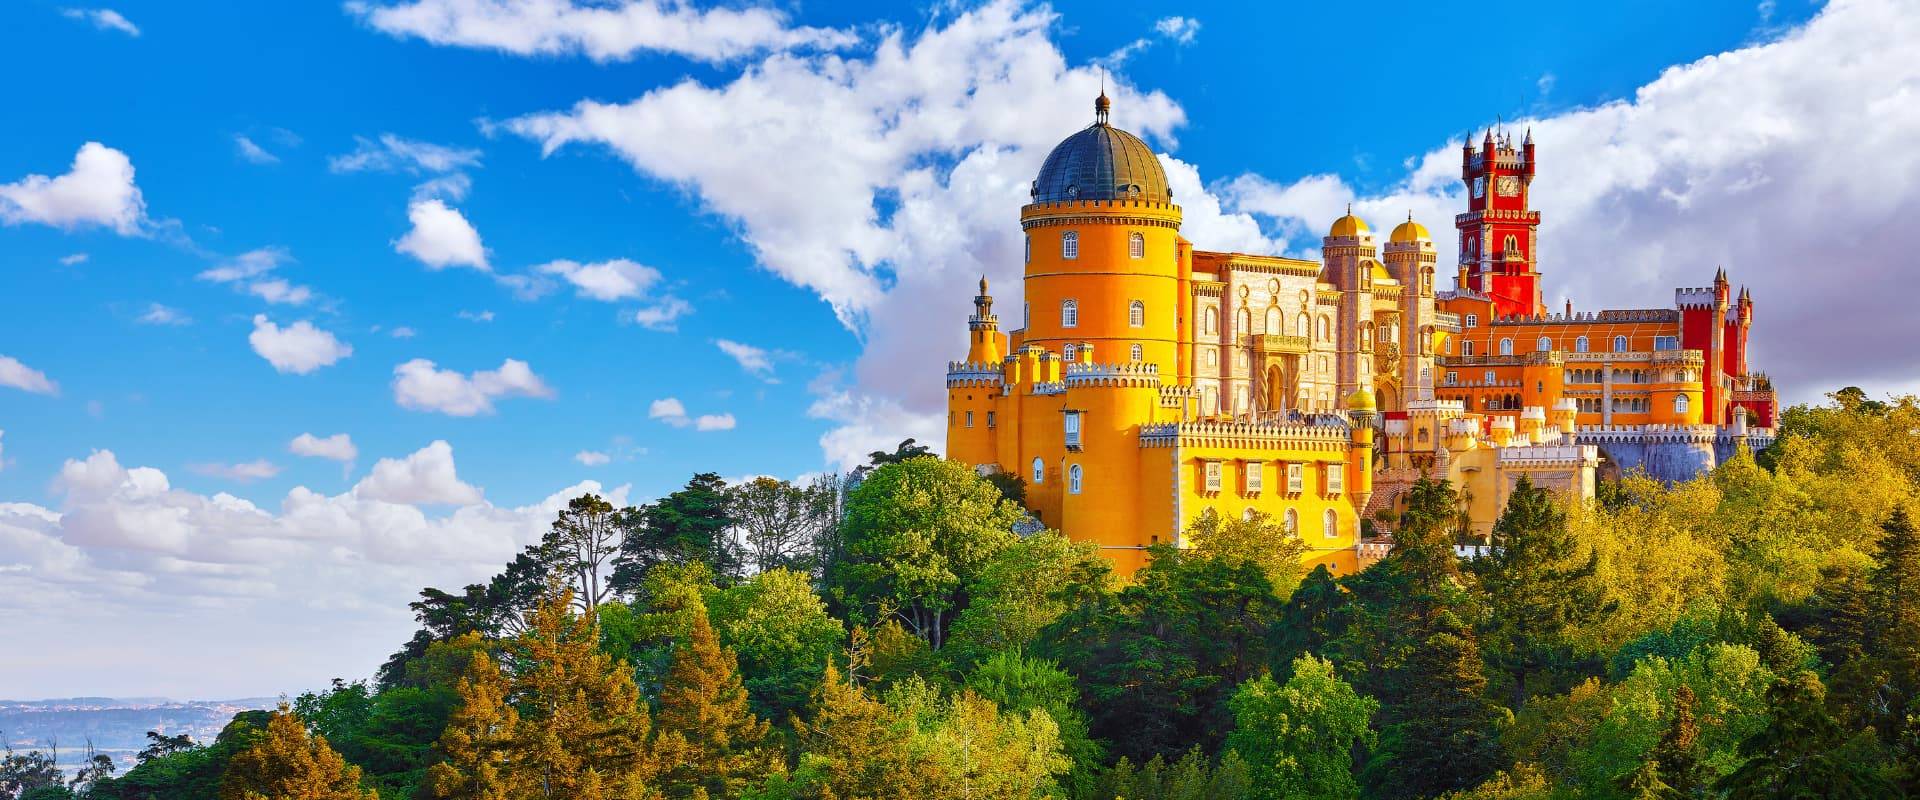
<point x="1498" y="232"/>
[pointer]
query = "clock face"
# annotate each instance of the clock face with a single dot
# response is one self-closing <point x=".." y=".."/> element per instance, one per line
<point x="1508" y="186"/>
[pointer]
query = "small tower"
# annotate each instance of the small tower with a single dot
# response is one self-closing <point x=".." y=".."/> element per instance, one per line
<point x="983" y="329"/>
<point x="1410" y="258"/>
<point x="1497" y="232"/>
<point x="1349" y="253"/>
<point x="1359" y="478"/>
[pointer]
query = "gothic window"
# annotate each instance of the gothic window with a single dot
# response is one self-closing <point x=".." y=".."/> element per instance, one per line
<point x="1580" y="345"/>
<point x="1301" y="327"/>
<point x="1293" y="522"/>
<point x="1680" y="404"/>
<point x="1069" y="313"/>
<point x="1273" y="321"/>
<point x="1073" y="479"/>
<point x="1039" y="470"/>
<point x="1506" y="347"/>
<point x="1136" y="246"/>
<point x="1211" y="322"/>
<point x="1331" y="525"/>
<point x="1137" y="314"/>
<point x="1245" y="323"/>
<point x="1543" y="345"/>
<point x="1619" y="344"/>
<point x="1138" y="354"/>
<point x="1070" y="245"/>
<point x="1240" y="400"/>
<point x="1029" y="250"/>
<point x="1070" y="351"/>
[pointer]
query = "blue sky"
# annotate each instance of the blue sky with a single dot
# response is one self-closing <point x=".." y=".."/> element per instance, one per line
<point x="769" y="215"/>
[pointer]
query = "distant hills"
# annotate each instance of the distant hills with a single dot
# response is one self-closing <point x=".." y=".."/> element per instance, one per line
<point x="114" y="725"/>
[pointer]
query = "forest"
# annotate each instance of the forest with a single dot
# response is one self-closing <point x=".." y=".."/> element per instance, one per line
<point x="899" y="633"/>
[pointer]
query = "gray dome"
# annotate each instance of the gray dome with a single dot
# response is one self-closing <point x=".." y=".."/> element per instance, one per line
<point x="1101" y="162"/>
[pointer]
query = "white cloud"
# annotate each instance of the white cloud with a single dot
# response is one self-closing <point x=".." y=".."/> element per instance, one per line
<point x="392" y="153"/>
<point x="105" y="19"/>
<point x="402" y="332"/>
<point x="441" y="237"/>
<point x="608" y="281"/>
<point x="338" y="447"/>
<point x="25" y="378"/>
<point x="610" y="31"/>
<point x="158" y="314"/>
<point x="246" y="472"/>
<point x="279" y="292"/>
<point x="714" y="422"/>
<point x="97" y="190"/>
<point x="248" y="272"/>
<point x="756" y="361"/>
<point x="421" y="386"/>
<point x="592" y="458"/>
<point x="425" y="477"/>
<point x="476" y="316"/>
<point x="252" y="152"/>
<point x="1181" y="30"/>
<point x="1766" y="160"/>
<point x="76" y="258"/>
<point x="663" y="315"/>
<point x="669" y="410"/>
<point x="299" y="348"/>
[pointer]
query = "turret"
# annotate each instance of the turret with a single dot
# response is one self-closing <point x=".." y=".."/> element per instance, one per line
<point x="1361" y="409"/>
<point x="1532" y="425"/>
<point x="1526" y="154"/>
<point x="1565" y="411"/>
<point x="983" y="329"/>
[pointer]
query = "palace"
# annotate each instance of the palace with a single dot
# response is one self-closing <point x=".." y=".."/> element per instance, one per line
<point x="1150" y="381"/>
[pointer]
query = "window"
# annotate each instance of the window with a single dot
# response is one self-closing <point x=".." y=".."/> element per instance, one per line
<point x="1029" y="250"/>
<point x="1293" y="522"/>
<point x="1213" y="358"/>
<point x="1138" y="354"/>
<point x="1039" y="470"/>
<point x="1301" y="328"/>
<point x="1506" y="347"/>
<point x="1212" y="476"/>
<point x="1073" y="479"/>
<point x="989" y="419"/>
<point x="1489" y="377"/>
<point x="1211" y="322"/>
<point x="1137" y="313"/>
<point x="1336" y="478"/>
<point x="1296" y="478"/>
<point x="969" y="419"/>
<point x="1543" y="345"/>
<point x="1070" y="351"/>
<point x="1331" y="525"/>
<point x="1513" y="244"/>
<point x="1619" y="344"/>
<point x="1326" y="329"/>
<point x="1072" y="426"/>
<point x="1273" y="321"/>
<point x="1026" y="315"/>
<point x="1240" y="400"/>
<point x="1473" y="320"/>
<point x="1666" y="342"/>
<point x="1453" y="378"/>
<point x="1466" y="348"/>
<point x="1069" y="313"/>
<point x="1680" y="404"/>
<point x="1580" y="345"/>
<point x="1209" y="401"/>
<point x="1070" y="245"/>
<point x="1251" y="477"/>
<point x="1136" y="246"/>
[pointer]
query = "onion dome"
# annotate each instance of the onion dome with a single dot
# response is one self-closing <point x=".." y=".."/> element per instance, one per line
<point x="1361" y="400"/>
<point x="1101" y="162"/>
<point x="1349" y="225"/>
<point x="1410" y="231"/>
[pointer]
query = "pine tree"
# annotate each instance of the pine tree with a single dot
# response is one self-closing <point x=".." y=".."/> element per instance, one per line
<point x="707" y="738"/>
<point x="581" y="724"/>
<point x="1672" y="771"/>
<point x="1443" y="737"/>
<point x="478" y="736"/>
<point x="1893" y="636"/>
<point x="1537" y="590"/>
<point x="1804" y="753"/>
<point x="288" y="764"/>
<point x="856" y="748"/>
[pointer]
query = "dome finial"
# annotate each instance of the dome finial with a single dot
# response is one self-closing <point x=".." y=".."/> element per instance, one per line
<point x="983" y="285"/>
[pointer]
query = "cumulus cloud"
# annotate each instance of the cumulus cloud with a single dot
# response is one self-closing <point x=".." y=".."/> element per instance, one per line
<point x="421" y="386"/>
<point x="592" y="458"/>
<point x="1743" y="159"/>
<point x="607" y="281"/>
<point x="98" y="190"/>
<point x="614" y="31"/>
<point x="391" y="153"/>
<point x="246" y="472"/>
<point x="713" y="422"/>
<point x="158" y="314"/>
<point x="105" y="19"/>
<point x="27" y="379"/>
<point x="673" y="412"/>
<point x="299" y="348"/>
<point x="338" y="447"/>
<point x="1181" y="30"/>
<point x="441" y="237"/>
<point x="425" y="477"/>
<point x="663" y="315"/>
<point x="251" y="152"/>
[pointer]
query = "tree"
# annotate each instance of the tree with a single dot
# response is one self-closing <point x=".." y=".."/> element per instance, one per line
<point x="288" y="764"/>
<point x="1024" y="588"/>
<point x="976" y="752"/>
<point x="918" y="531"/>
<point x="1019" y="685"/>
<point x="1673" y="770"/>
<point x="1257" y="538"/>
<point x="1538" y="588"/>
<point x="907" y="450"/>
<point x="686" y="526"/>
<point x="1804" y="753"/>
<point x="175" y="769"/>
<point x="1298" y="739"/>
<point x="1192" y="777"/>
<point x="25" y="772"/>
<point x="478" y="737"/>
<point x="780" y="524"/>
<point x="1442" y="735"/>
<point x="855" y="748"/>
<point x="781" y="633"/>
<point x="707" y="742"/>
<point x="585" y="540"/>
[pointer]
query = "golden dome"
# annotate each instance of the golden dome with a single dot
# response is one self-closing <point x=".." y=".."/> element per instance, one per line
<point x="1380" y="273"/>
<point x="1349" y="225"/>
<point x="1410" y="231"/>
<point x="1361" y="400"/>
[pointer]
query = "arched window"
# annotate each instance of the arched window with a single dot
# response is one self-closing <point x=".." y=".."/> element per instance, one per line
<point x="1513" y="243"/>
<point x="1580" y="345"/>
<point x="1240" y="400"/>
<point x="1138" y="353"/>
<point x="1619" y="344"/>
<point x="1302" y="328"/>
<point x="1136" y="312"/>
<point x="1273" y="321"/>
<point x="1543" y="345"/>
<point x="1244" y="323"/>
<point x="1213" y="358"/>
<point x="1331" y="524"/>
<point x="1326" y="329"/>
<point x="1293" y="522"/>
<point x="1136" y="246"/>
<point x="1039" y="470"/>
<point x="1506" y="347"/>
<point x="1247" y="515"/>
<point x="1209" y="402"/>
<point x="1073" y="479"/>
<point x="1069" y="313"/>
<point x="1211" y="322"/>
<point x="1070" y="351"/>
<point x="1466" y="348"/>
<point x="1680" y="404"/>
<point x="1070" y="245"/>
<point x="1029" y="250"/>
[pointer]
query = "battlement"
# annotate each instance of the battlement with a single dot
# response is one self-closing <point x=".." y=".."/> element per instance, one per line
<point x="1695" y="297"/>
<point x="1610" y="315"/>
<point x="973" y="374"/>
<point x="1327" y="433"/>
<point x="1679" y="358"/>
<point x="1550" y="455"/>
<point x="1647" y="434"/>
<point x="1129" y="375"/>
<point x="1432" y="408"/>
<point x="1049" y="387"/>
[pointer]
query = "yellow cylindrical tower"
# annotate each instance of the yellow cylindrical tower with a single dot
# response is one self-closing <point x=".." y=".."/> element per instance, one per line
<point x="1360" y="407"/>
